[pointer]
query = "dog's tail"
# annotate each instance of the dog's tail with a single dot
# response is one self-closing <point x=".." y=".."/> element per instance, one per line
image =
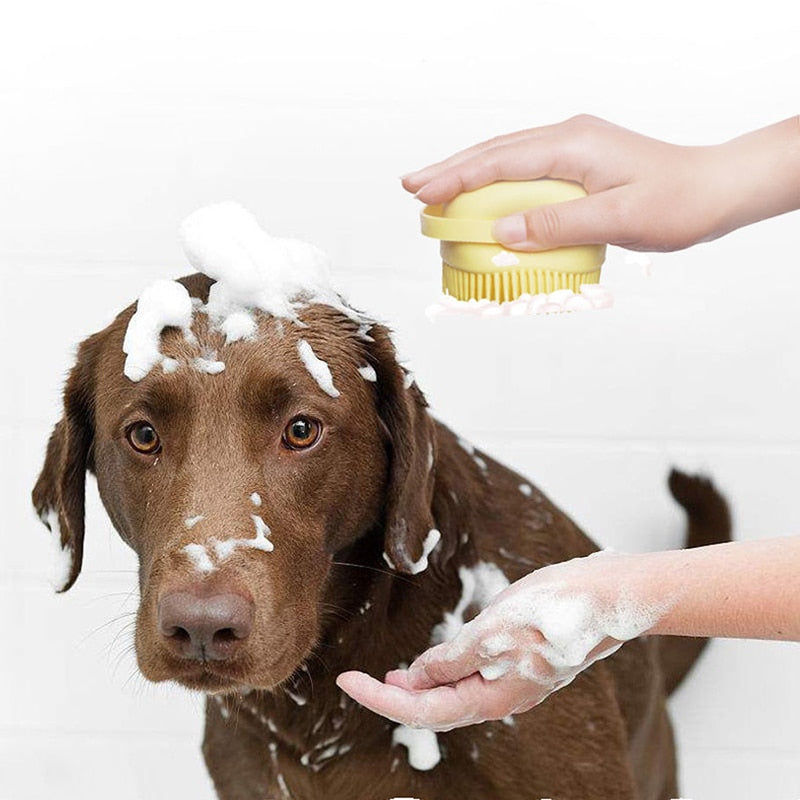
<point x="709" y="522"/>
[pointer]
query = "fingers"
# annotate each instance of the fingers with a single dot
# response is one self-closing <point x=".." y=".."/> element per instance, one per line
<point x="596" y="219"/>
<point x="443" y="664"/>
<point x="515" y="161"/>
<point x="470" y="701"/>
<point x="414" y="181"/>
<point x="565" y="150"/>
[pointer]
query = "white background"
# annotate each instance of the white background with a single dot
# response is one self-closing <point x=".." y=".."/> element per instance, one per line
<point x="117" y="120"/>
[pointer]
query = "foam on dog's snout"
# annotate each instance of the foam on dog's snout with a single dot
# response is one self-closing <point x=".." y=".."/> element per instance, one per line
<point x="225" y="547"/>
<point x="198" y="555"/>
<point x="162" y="304"/>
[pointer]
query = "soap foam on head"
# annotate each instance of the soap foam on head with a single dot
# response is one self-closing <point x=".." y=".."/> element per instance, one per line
<point x="253" y="272"/>
<point x="161" y="305"/>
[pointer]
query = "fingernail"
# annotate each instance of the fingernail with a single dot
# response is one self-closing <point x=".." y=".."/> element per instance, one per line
<point x="510" y="229"/>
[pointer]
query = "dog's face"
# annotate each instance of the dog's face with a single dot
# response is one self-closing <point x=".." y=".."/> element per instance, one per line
<point x="238" y="489"/>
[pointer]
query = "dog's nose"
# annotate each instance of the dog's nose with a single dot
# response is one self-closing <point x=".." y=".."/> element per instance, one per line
<point x="205" y="628"/>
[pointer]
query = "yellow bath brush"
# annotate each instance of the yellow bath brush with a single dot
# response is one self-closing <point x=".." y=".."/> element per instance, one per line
<point x="476" y="266"/>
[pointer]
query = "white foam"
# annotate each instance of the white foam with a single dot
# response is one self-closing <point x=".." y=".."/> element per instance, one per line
<point x="252" y="268"/>
<point x="592" y="296"/>
<point x="225" y="547"/>
<point x="190" y="522"/>
<point x="162" y="304"/>
<point x="255" y="499"/>
<point x="238" y="325"/>
<point x="422" y="744"/>
<point x="431" y="540"/>
<point x="368" y="373"/>
<point x="505" y="258"/>
<point x="318" y="369"/>
<point x="526" y="489"/>
<point x="480" y="584"/>
<point x="573" y="629"/>
<point x="62" y="554"/>
<point x="209" y="365"/>
<point x="198" y="555"/>
<point x="253" y="271"/>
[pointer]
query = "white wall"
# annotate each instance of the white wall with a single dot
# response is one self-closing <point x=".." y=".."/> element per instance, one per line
<point x="116" y="121"/>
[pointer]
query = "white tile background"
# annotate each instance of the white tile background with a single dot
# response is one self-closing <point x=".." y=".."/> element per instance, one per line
<point x="116" y="122"/>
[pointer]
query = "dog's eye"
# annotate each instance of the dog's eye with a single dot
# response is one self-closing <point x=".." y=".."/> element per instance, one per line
<point x="301" y="433"/>
<point x="143" y="438"/>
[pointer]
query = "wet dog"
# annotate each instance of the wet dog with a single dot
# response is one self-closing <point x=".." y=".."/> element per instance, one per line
<point x="283" y="536"/>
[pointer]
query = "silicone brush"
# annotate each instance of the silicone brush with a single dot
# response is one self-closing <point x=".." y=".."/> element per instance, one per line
<point x="476" y="266"/>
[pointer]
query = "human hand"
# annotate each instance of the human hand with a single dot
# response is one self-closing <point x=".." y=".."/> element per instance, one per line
<point x="533" y="639"/>
<point x="643" y="194"/>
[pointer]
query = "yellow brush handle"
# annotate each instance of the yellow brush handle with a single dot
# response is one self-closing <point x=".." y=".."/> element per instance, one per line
<point x="475" y="265"/>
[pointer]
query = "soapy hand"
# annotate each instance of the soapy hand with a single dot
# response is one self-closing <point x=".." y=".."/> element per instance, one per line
<point x="643" y="194"/>
<point x="533" y="639"/>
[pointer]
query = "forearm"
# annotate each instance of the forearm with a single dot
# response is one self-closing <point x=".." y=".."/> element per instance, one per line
<point x="739" y="589"/>
<point x="758" y="175"/>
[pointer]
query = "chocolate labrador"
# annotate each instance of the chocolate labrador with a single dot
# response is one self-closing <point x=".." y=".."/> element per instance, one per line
<point x="282" y="535"/>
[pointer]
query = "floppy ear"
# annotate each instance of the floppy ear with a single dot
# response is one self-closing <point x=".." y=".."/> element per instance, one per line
<point x="59" y="493"/>
<point x="409" y="496"/>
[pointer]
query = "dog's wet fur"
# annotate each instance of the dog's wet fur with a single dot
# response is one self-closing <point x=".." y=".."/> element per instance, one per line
<point x="382" y="475"/>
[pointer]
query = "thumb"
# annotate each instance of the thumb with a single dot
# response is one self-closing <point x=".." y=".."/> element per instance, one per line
<point x="594" y="219"/>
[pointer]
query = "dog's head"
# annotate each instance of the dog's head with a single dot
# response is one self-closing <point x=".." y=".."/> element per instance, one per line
<point x="238" y="488"/>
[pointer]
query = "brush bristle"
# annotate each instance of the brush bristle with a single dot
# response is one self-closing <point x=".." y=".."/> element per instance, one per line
<point x="506" y="285"/>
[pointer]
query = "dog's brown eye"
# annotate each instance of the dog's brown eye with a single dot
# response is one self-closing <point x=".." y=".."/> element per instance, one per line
<point x="143" y="438"/>
<point x="301" y="432"/>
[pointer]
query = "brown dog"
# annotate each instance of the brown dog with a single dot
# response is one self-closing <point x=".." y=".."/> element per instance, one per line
<point x="263" y="511"/>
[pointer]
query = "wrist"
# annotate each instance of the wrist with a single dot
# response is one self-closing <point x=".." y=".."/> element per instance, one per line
<point x="761" y="175"/>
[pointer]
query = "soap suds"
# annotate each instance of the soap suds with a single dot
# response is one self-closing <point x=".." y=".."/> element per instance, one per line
<point x="640" y="260"/>
<point x="190" y="522"/>
<point x="170" y="365"/>
<point x="479" y="585"/>
<point x="422" y="744"/>
<point x="543" y="632"/>
<point x="368" y="373"/>
<point x="225" y="547"/>
<point x="505" y="258"/>
<point x="592" y="296"/>
<point x="198" y="555"/>
<point x="162" y="304"/>
<point x="62" y="554"/>
<point x="526" y="489"/>
<point x="431" y="540"/>
<point x="209" y="365"/>
<point x="317" y="368"/>
<point x="253" y="272"/>
<point x="255" y="499"/>
<point x="238" y="325"/>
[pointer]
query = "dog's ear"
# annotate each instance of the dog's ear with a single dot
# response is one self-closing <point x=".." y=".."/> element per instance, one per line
<point x="59" y="494"/>
<point x="410" y="429"/>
